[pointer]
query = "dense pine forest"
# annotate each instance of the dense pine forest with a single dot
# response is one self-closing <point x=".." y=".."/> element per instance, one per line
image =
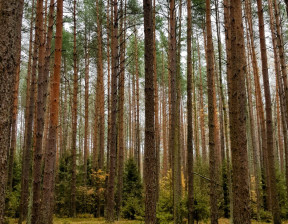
<point x="143" y="111"/>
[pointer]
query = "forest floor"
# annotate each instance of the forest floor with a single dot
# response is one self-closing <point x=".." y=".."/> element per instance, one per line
<point x="102" y="221"/>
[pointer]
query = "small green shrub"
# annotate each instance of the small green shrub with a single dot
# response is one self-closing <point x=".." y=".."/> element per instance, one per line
<point x="132" y="204"/>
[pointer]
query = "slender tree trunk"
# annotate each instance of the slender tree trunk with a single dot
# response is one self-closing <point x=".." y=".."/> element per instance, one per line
<point x="121" y="85"/>
<point x="12" y="148"/>
<point x="202" y="116"/>
<point x="150" y="160"/>
<point x="269" y="125"/>
<point x="50" y="155"/>
<point x="65" y="111"/>
<point x="86" y="128"/>
<point x="100" y="89"/>
<point x="173" y="133"/>
<point x="26" y="159"/>
<point x="259" y="103"/>
<point x="43" y="72"/>
<point x="156" y="104"/>
<point x="277" y="71"/>
<point x="253" y="128"/>
<point x="194" y="104"/>
<point x="137" y="106"/>
<point x="212" y="118"/>
<point x="284" y="77"/>
<point x="189" y="115"/>
<point x="113" y="133"/>
<point x="74" y="117"/>
<point x="164" y="125"/>
<point x="109" y="82"/>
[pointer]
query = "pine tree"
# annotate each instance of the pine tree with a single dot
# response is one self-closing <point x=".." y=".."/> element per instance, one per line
<point x="50" y="155"/>
<point x="150" y="163"/>
<point x="237" y="103"/>
<point x="10" y="32"/>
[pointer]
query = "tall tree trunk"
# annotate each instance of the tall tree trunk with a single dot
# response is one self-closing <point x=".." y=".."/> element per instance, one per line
<point x="100" y="89"/>
<point x="259" y="104"/>
<point x="194" y="104"/>
<point x="74" y="118"/>
<point x="255" y="144"/>
<point x="137" y="106"/>
<point x="113" y="133"/>
<point x="28" y="78"/>
<point x="86" y="128"/>
<point x="212" y="118"/>
<point x="26" y="159"/>
<point x="10" y="26"/>
<point x="121" y="85"/>
<point x="189" y="115"/>
<point x="156" y="103"/>
<point x="277" y="71"/>
<point x="12" y="148"/>
<point x="164" y="121"/>
<point x="43" y="73"/>
<point x="109" y="19"/>
<point x="202" y="116"/>
<point x="284" y="77"/>
<point x="173" y="133"/>
<point x="237" y="98"/>
<point x="269" y="125"/>
<point x="50" y="155"/>
<point x="150" y="162"/>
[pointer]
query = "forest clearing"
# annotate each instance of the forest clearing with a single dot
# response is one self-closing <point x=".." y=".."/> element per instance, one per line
<point x="144" y="111"/>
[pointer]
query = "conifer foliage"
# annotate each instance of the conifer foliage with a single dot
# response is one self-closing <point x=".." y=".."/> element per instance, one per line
<point x="159" y="111"/>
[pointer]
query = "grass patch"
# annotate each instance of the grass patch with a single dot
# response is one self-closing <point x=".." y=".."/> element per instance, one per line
<point x="102" y="221"/>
